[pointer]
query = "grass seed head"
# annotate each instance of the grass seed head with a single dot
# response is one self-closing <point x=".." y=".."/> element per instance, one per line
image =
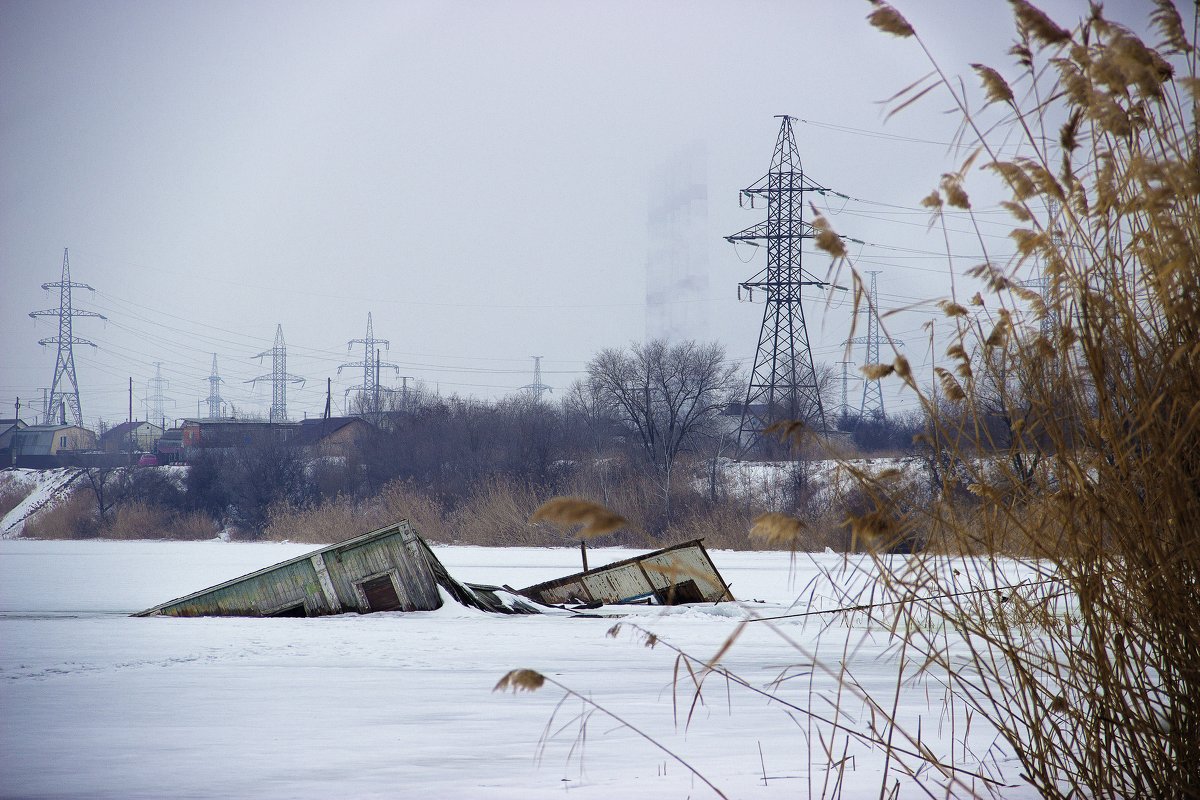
<point x="567" y="512"/>
<point x="518" y="680"/>
<point x="889" y="20"/>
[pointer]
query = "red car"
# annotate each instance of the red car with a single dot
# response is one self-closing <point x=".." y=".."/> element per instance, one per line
<point x="148" y="460"/>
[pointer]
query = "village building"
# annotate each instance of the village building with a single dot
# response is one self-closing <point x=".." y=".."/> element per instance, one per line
<point x="136" y="436"/>
<point x="8" y="429"/>
<point x="47" y="446"/>
<point x="335" y="437"/>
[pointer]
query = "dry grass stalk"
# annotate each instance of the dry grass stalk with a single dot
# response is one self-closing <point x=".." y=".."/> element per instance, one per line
<point x="568" y="512"/>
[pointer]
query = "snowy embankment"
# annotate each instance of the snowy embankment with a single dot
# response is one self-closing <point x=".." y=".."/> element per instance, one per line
<point x="97" y="704"/>
<point x="42" y="488"/>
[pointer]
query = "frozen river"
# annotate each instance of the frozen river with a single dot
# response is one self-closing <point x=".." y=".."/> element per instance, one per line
<point x="96" y="704"/>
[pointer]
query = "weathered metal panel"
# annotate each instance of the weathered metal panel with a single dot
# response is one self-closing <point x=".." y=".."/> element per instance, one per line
<point x="647" y="578"/>
<point x="624" y="584"/>
<point x="681" y="565"/>
<point x="569" y="592"/>
<point x="266" y="592"/>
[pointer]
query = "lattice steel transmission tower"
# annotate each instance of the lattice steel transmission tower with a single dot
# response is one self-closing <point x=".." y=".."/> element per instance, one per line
<point x="537" y="387"/>
<point x="155" y="401"/>
<point x="872" y="399"/>
<point x="844" y="407"/>
<point x="64" y="389"/>
<point x="783" y="383"/>
<point x="279" y="377"/>
<point x="214" y="392"/>
<point x="370" y="389"/>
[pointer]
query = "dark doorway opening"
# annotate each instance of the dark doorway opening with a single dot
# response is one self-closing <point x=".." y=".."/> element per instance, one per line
<point x="381" y="594"/>
<point x="296" y="610"/>
<point x="682" y="592"/>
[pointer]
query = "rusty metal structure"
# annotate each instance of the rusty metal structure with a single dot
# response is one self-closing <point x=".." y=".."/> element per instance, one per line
<point x="683" y="573"/>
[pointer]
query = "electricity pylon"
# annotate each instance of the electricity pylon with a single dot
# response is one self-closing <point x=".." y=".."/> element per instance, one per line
<point x="537" y="387"/>
<point x="214" y="392"/>
<point x="872" y="399"/>
<point x="61" y="398"/>
<point x="783" y="383"/>
<point x="844" y="407"/>
<point x="155" y="399"/>
<point x="279" y="377"/>
<point x="370" y="389"/>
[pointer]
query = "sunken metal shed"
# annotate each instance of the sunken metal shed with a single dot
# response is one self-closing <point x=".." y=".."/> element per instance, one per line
<point x="682" y="573"/>
<point x="388" y="569"/>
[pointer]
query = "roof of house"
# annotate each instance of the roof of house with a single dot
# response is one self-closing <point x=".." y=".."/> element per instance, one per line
<point x="124" y="428"/>
<point x="314" y="430"/>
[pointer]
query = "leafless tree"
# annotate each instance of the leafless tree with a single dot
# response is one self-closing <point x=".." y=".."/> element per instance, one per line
<point x="665" y="394"/>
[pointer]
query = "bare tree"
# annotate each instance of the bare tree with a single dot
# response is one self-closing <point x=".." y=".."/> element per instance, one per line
<point x="665" y="394"/>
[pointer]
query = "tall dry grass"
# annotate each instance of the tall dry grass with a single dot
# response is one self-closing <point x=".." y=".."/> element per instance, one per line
<point x="1056" y="597"/>
<point x="1069" y="417"/>
<point x="73" y="517"/>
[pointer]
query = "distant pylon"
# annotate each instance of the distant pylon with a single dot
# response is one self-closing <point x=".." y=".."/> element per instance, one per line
<point x="214" y="392"/>
<point x="155" y="400"/>
<point x="872" y="399"/>
<point x="64" y="389"/>
<point x="537" y="387"/>
<point x="369" y="390"/>
<point x="783" y="383"/>
<point x="844" y="406"/>
<point x="1042" y="282"/>
<point x="279" y="377"/>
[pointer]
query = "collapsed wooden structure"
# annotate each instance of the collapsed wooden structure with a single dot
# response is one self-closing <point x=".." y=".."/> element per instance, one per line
<point x="393" y="569"/>
<point x="390" y="569"/>
<point x="683" y="573"/>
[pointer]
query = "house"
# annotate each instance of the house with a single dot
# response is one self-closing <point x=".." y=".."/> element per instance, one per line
<point x="136" y="436"/>
<point x="227" y="433"/>
<point x="8" y="428"/>
<point x="390" y="569"/>
<point x="169" y="446"/>
<point x="336" y="436"/>
<point x="44" y="446"/>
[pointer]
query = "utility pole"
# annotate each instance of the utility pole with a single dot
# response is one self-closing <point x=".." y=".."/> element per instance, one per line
<point x="64" y="389"/>
<point x="279" y="377"/>
<point x="537" y="387"/>
<point x="12" y="446"/>
<point x="783" y="384"/>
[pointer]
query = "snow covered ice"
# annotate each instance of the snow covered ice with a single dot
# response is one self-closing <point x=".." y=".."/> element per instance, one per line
<point x="100" y="705"/>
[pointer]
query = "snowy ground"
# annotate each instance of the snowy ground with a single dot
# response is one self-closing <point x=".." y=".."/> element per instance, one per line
<point x="94" y="703"/>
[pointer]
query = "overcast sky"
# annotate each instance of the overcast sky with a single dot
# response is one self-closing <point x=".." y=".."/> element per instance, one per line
<point x="474" y="174"/>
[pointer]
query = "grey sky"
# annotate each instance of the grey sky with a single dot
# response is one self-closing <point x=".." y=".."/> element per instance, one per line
<point x="476" y="175"/>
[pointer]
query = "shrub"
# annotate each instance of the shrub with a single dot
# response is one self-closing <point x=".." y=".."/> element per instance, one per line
<point x="73" y="517"/>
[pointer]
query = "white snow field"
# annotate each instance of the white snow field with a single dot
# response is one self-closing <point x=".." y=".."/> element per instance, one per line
<point x="96" y="704"/>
